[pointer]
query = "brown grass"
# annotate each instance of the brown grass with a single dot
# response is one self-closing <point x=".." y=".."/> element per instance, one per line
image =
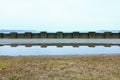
<point x="102" y="67"/>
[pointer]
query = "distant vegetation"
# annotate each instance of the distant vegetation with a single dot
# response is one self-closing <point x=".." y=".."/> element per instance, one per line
<point x="102" y="67"/>
<point x="5" y="30"/>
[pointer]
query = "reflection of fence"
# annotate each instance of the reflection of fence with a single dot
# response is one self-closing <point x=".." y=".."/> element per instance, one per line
<point x="60" y="39"/>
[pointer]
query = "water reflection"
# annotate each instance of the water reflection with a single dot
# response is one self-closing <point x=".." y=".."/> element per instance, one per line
<point x="53" y="50"/>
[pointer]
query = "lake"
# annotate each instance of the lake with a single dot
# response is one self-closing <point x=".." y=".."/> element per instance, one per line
<point x="53" y="50"/>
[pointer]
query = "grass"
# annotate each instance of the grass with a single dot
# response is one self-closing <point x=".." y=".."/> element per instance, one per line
<point x="99" y="67"/>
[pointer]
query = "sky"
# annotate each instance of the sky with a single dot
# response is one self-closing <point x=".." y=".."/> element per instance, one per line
<point x="60" y="15"/>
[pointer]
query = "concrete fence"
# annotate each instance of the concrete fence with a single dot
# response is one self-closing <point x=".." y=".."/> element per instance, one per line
<point x="60" y="35"/>
<point x="60" y="39"/>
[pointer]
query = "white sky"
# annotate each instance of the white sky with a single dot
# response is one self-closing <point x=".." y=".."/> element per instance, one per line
<point x="60" y="15"/>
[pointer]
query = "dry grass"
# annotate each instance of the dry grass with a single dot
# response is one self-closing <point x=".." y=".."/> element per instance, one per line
<point x="102" y="67"/>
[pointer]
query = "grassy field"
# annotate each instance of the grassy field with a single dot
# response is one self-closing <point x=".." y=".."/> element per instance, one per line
<point x="99" y="67"/>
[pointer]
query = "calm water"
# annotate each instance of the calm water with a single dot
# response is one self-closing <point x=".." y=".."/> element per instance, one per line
<point x="53" y="50"/>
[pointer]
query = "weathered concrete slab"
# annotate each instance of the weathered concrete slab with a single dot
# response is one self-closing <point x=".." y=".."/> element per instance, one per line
<point x="60" y="42"/>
